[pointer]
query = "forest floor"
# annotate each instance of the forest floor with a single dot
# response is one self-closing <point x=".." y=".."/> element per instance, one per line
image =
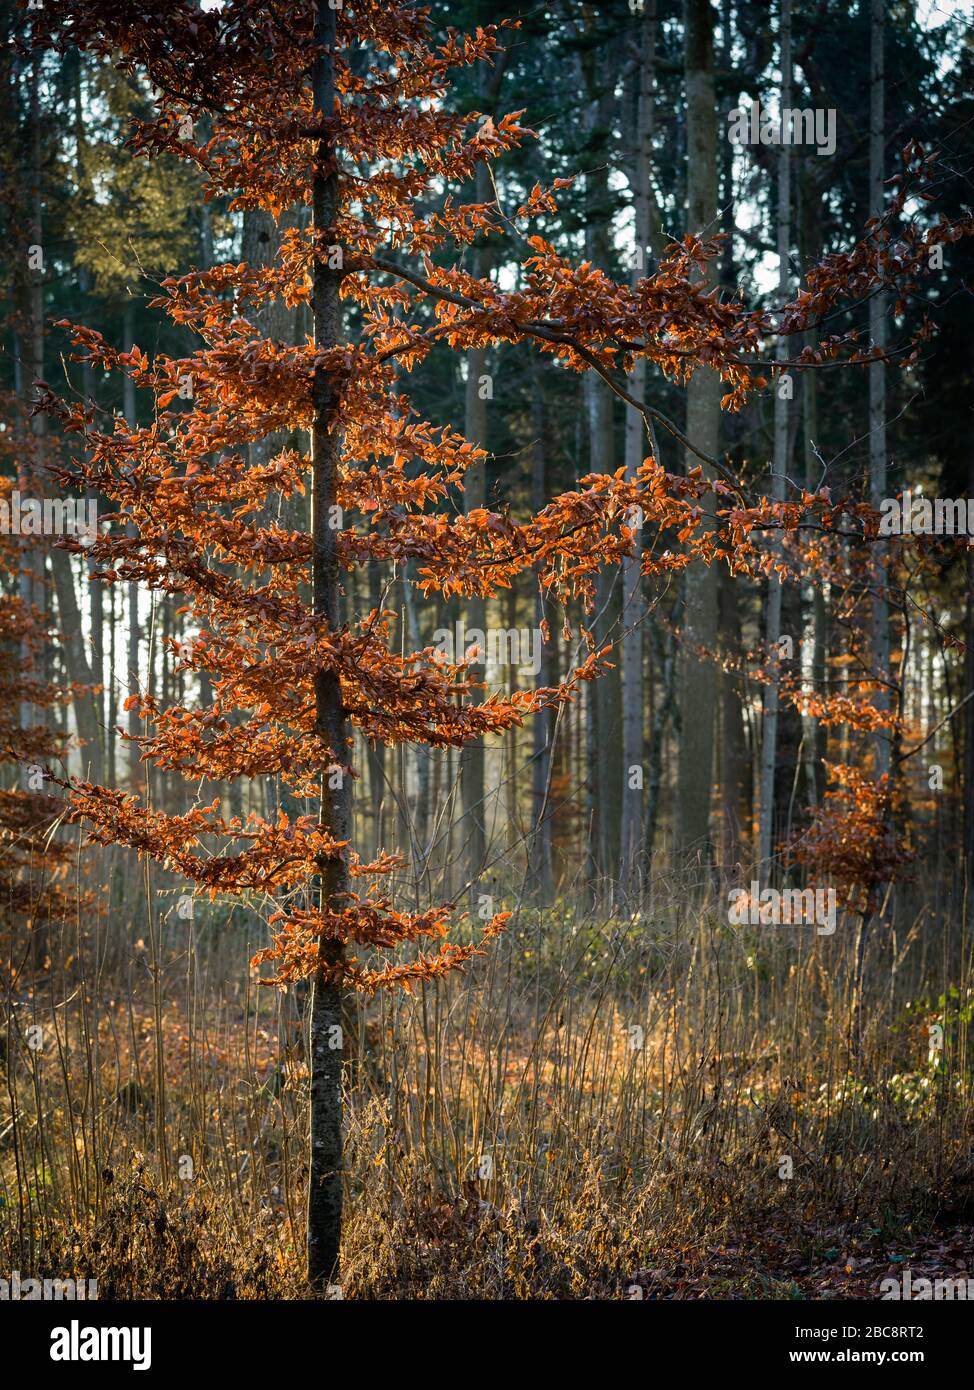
<point x="686" y="1121"/>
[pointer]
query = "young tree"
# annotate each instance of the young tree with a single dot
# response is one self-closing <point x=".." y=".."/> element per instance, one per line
<point x="344" y="110"/>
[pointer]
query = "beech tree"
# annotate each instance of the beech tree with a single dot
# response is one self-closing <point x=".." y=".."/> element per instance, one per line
<point x="345" y="110"/>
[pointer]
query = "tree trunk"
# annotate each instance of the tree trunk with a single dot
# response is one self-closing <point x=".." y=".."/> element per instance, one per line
<point x="540" y="861"/>
<point x="666" y="708"/>
<point x="699" y="684"/>
<point x="816" y="735"/>
<point x="734" y="769"/>
<point x="134" y="722"/>
<point x="71" y="633"/>
<point x="474" y="608"/>
<point x="331" y="725"/>
<point x="877" y="381"/>
<point x="772" y="630"/>
<point x="472" y="755"/>
<point x="633" y="606"/>
<point x="96" y="588"/>
<point x="376" y="753"/>
<point x="417" y="817"/>
<point x="968" y="783"/>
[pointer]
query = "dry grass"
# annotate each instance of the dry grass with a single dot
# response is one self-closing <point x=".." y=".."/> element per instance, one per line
<point x="600" y="1105"/>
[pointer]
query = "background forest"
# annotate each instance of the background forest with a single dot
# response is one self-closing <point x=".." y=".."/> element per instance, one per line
<point x="629" y="1090"/>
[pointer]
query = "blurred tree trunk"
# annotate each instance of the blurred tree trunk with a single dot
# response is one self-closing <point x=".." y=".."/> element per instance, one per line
<point x="698" y="677"/>
<point x="134" y="723"/>
<point x="735" y="817"/>
<point x="735" y="766"/>
<point x="782" y="406"/>
<point x="968" y="783"/>
<point x="71" y="628"/>
<point x="877" y="379"/>
<point x="474" y="609"/>
<point x="816" y="735"/>
<point x="96" y="589"/>
<point x="633" y="605"/>
<point x="604" y="702"/>
<point x="416" y="821"/>
<point x="666" y="708"/>
<point x="376" y="753"/>
<point x="540" y="864"/>
<point x="479" y="388"/>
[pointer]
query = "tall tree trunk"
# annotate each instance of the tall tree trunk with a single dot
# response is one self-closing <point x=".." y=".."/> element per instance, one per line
<point x="735" y="765"/>
<point x="96" y="588"/>
<point x="772" y="628"/>
<point x="474" y="608"/>
<point x="472" y="755"/>
<point x="417" y="818"/>
<point x="331" y="724"/>
<point x="606" y="704"/>
<point x="604" y="699"/>
<point x="816" y="735"/>
<point x="699" y="684"/>
<point x="71" y="632"/>
<point x="540" y="861"/>
<point x="376" y="753"/>
<point x="968" y="783"/>
<point x="134" y="632"/>
<point x="666" y="708"/>
<point x="633" y="606"/>
<point x="734" y="770"/>
<point x="877" y="378"/>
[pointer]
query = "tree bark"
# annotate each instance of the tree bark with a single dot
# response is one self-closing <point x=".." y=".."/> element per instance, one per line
<point x="772" y="631"/>
<point x="877" y="381"/>
<point x="968" y="782"/>
<point x="71" y="633"/>
<point x="699" y="684"/>
<point x="473" y="754"/>
<point x="633" y="605"/>
<point x="734" y="766"/>
<point x="134" y="688"/>
<point x="816" y="735"/>
<point x="474" y="607"/>
<point x="376" y="753"/>
<point x="331" y="724"/>
<point x="540" y="861"/>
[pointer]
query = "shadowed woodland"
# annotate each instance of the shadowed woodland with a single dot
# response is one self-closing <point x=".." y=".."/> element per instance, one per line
<point x="487" y="648"/>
